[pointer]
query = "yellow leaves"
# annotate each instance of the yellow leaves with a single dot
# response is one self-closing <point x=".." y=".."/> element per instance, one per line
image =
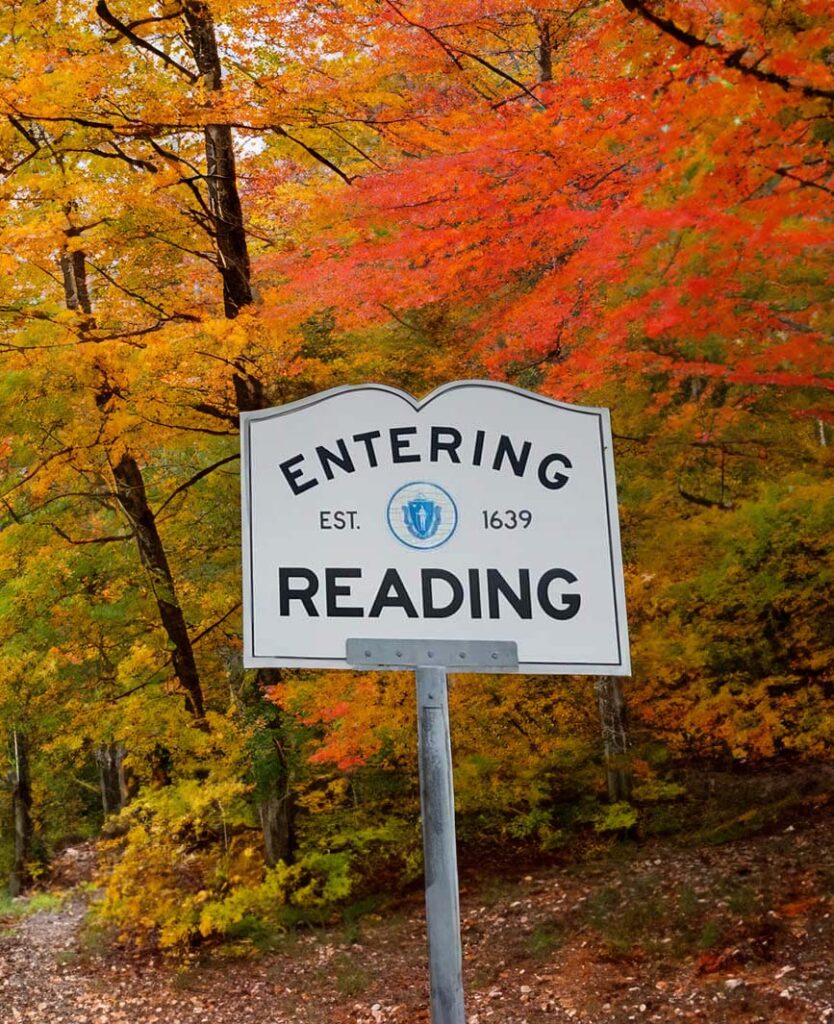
<point x="139" y="663"/>
<point x="317" y="800"/>
<point x="120" y="421"/>
<point x="51" y="234"/>
<point x="167" y="881"/>
<point x="228" y="337"/>
<point x="168" y="174"/>
<point x="69" y="744"/>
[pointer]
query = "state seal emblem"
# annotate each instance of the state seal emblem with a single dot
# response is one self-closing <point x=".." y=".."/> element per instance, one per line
<point x="422" y="515"/>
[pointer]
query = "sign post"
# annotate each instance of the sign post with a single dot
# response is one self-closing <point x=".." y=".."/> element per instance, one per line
<point x="437" y="804"/>
<point x="473" y="531"/>
<point x="437" y="799"/>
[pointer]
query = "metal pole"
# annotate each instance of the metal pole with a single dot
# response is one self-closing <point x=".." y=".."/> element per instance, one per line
<point x="441" y="866"/>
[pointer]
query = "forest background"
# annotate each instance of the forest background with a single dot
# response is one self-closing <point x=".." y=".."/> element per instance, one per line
<point x="215" y="208"/>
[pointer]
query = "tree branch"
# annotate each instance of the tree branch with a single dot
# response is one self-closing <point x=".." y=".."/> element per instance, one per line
<point x="314" y="153"/>
<point x="194" y="479"/>
<point x="731" y="60"/>
<point x="104" y="13"/>
<point x="192" y="430"/>
<point x="696" y="499"/>
<point x="454" y="53"/>
<point x="501" y="74"/>
<point x="92" y="540"/>
<point x="219" y="622"/>
<point x="119" y="154"/>
<point x="153" y="677"/>
<point x="784" y="172"/>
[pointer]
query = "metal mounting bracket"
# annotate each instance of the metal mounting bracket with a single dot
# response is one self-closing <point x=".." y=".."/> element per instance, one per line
<point x="453" y="655"/>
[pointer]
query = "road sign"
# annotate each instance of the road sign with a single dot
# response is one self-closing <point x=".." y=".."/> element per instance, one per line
<point x="481" y="512"/>
<point x="473" y="530"/>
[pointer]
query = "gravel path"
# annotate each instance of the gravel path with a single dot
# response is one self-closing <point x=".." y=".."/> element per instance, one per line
<point x="33" y="988"/>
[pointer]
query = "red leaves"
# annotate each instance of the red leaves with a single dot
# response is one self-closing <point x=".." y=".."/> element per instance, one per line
<point x="654" y="214"/>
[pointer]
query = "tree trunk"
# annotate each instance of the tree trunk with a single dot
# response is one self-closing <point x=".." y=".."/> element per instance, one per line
<point x="544" y="53"/>
<point x="160" y="762"/>
<point x="275" y="802"/>
<point x="110" y="758"/>
<point x="276" y="813"/>
<point x="21" y="813"/>
<point x="130" y="491"/>
<point x="221" y="177"/>
<point x="614" y="719"/>
<point x="227" y="215"/>
<point x="249" y="392"/>
<point x="74" y="270"/>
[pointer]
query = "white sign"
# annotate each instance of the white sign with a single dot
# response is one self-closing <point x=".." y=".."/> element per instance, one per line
<point x="482" y="512"/>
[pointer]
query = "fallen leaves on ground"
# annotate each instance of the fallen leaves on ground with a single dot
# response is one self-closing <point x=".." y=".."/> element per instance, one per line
<point x="731" y="933"/>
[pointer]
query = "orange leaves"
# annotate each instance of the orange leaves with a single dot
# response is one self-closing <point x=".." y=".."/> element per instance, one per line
<point x="344" y="712"/>
<point x="786" y="64"/>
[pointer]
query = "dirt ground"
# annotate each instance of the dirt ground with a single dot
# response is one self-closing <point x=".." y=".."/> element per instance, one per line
<point x="738" y="932"/>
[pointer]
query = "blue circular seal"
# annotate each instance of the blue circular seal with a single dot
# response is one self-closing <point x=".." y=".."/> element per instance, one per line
<point x="422" y="515"/>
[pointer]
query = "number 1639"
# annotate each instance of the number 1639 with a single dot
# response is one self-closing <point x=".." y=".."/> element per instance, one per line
<point x="508" y="520"/>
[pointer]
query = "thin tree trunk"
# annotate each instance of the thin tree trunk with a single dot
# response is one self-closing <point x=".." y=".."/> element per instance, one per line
<point x="130" y="491"/>
<point x="110" y="761"/>
<point x="132" y="496"/>
<point x="224" y="198"/>
<point x="276" y="802"/>
<point x="21" y="813"/>
<point x="221" y="176"/>
<point x="614" y="720"/>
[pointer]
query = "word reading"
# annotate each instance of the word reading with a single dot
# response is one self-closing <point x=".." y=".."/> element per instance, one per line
<point x="486" y="593"/>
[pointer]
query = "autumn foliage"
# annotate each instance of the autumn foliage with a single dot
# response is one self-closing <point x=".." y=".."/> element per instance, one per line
<point x="209" y="208"/>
